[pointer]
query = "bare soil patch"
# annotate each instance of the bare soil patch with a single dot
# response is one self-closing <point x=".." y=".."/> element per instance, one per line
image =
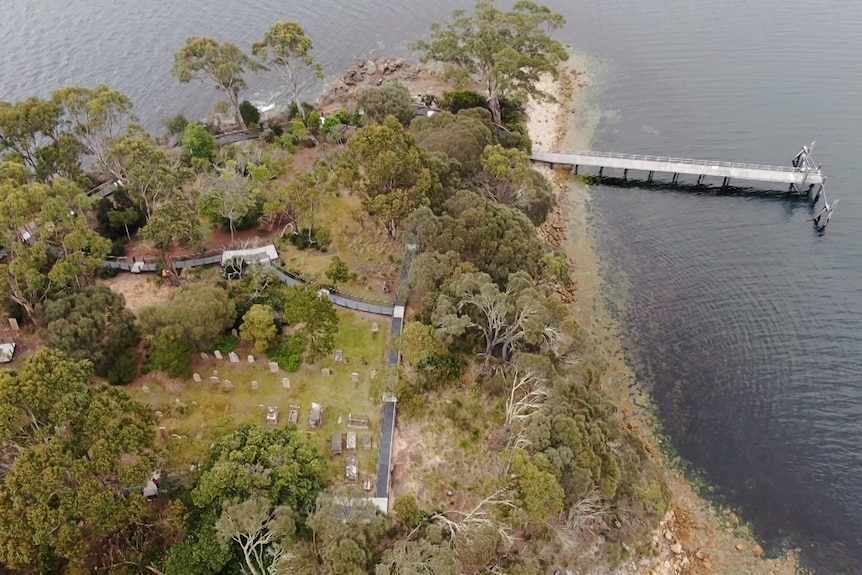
<point x="140" y="290"/>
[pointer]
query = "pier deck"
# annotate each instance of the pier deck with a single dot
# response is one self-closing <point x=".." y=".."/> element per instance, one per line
<point x="799" y="176"/>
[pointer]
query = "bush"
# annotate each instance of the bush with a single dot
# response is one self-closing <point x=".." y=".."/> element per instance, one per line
<point x="289" y="351"/>
<point x="176" y="125"/>
<point x="320" y="239"/>
<point x="250" y="114"/>
<point x="407" y="511"/>
<point x="313" y="122"/>
<point x="198" y="142"/>
<point x="173" y="356"/>
<point x="227" y="343"/>
<point x="462" y="100"/>
<point x="338" y="271"/>
<point x="340" y="118"/>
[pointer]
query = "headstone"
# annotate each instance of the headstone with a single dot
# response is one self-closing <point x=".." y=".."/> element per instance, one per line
<point x="373" y="373"/>
<point x="366" y="442"/>
<point x="285" y="382"/>
<point x="215" y="379"/>
<point x="273" y="367"/>
<point x="354" y="377"/>
<point x="294" y="416"/>
<point x="163" y="434"/>
<point x="374" y="329"/>
<point x="339" y="420"/>
<point x="234" y="333"/>
<point x="13" y="323"/>
<point x="234" y="358"/>
<point x="255" y="385"/>
<point x="227" y="385"/>
<point x="251" y="359"/>
<point x="339" y="356"/>
<point x="196" y="377"/>
<point x="204" y="356"/>
<point x="215" y="372"/>
<point x="159" y="414"/>
<point x="217" y="354"/>
<point x="326" y="371"/>
<point x="145" y="389"/>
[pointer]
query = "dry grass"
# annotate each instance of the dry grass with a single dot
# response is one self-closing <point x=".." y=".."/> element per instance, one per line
<point x="200" y="413"/>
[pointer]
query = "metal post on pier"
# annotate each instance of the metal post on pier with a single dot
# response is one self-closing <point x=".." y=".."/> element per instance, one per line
<point x="649" y="177"/>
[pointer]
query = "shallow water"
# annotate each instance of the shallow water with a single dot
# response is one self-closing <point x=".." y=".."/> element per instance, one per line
<point x="745" y="322"/>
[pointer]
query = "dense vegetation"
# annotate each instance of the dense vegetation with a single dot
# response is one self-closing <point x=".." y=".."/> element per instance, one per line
<point x="518" y="382"/>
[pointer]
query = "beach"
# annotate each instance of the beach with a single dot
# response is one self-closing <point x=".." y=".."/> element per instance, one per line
<point x="695" y="536"/>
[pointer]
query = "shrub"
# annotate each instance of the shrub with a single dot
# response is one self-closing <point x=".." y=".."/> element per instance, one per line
<point x="289" y="351"/>
<point x="319" y="239"/>
<point x="462" y="100"/>
<point x="227" y="343"/>
<point x="173" y="356"/>
<point x="250" y="114"/>
<point x="199" y="143"/>
<point x="313" y="122"/>
<point x="338" y="271"/>
<point x="407" y="511"/>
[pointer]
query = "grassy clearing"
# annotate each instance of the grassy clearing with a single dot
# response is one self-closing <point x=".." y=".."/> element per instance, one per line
<point x="196" y="414"/>
<point x="356" y="239"/>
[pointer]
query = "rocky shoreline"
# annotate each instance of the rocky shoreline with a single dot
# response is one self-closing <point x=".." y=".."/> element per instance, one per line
<point x="695" y="536"/>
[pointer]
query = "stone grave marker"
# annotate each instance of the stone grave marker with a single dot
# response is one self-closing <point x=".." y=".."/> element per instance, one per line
<point x="204" y="355"/>
<point x="234" y="358"/>
<point x="163" y="434"/>
<point x="196" y="377"/>
<point x="227" y="385"/>
<point x="145" y="389"/>
<point x="251" y="359"/>
<point x="326" y="371"/>
<point x="13" y="323"/>
<point x="373" y="373"/>
<point x="255" y="385"/>
<point x="159" y="414"/>
<point x="354" y="377"/>
<point x="273" y="367"/>
<point x="234" y="333"/>
<point x="339" y="420"/>
<point x="217" y="354"/>
<point x="366" y="442"/>
<point x="339" y="356"/>
<point x="215" y="379"/>
<point x="215" y="372"/>
<point x="285" y="382"/>
<point x="374" y="329"/>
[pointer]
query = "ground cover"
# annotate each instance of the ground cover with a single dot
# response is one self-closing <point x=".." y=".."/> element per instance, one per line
<point x="196" y="414"/>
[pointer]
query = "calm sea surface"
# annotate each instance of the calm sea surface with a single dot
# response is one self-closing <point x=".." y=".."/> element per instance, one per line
<point x="747" y="324"/>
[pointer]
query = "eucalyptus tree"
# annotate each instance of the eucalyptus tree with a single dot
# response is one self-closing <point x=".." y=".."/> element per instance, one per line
<point x="505" y="52"/>
<point x="286" y="48"/>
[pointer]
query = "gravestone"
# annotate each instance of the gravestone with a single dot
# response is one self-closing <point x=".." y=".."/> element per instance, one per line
<point x="196" y="377"/>
<point x="204" y="356"/>
<point x="13" y="323"/>
<point x="251" y="359"/>
<point x="158" y="414"/>
<point x="234" y="358"/>
<point x="163" y="434"/>
<point x="366" y="442"/>
<point x="215" y="379"/>
<point x="217" y="354"/>
<point x="373" y="373"/>
<point x="273" y="367"/>
<point x="234" y="333"/>
<point x="326" y="371"/>
<point x="339" y="356"/>
<point x="339" y="420"/>
<point x="145" y="389"/>
<point x="215" y="372"/>
<point x="354" y="377"/>
<point x="255" y="385"/>
<point x="374" y="329"/>
<point x="285" y="382"/>
<point x="227" y="385"/>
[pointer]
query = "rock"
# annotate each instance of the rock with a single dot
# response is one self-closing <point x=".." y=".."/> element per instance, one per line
<point x="668" y="535"/>
<point x="676" y="548"/>
<point x="711" y="489"/>
<point x="741" y="546"/>
<point x="707" y="565"/>
<point x="758" y="550"/>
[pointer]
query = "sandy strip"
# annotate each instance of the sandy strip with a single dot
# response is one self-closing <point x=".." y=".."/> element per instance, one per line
<point x="695" y="537"/>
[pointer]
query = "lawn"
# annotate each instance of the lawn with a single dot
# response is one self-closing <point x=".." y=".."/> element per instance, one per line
<point x="196" y="414"/>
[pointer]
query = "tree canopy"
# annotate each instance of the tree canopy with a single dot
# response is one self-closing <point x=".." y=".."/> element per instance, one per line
<point x="315" y="314"/>
<point x="218" y="64"/>
<point x="258" y="327"/>
<point x="69" y="449"/>
<point x="197" y="314"/>
<point x="505" y="52"/>
<point x="94" y="324"/>
<point x="460" y="137"/>
<point x="286" y="48"/>
<point x="390" y="99"/>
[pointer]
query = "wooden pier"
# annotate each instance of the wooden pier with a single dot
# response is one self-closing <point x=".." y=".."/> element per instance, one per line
<point x="803" y="175"/>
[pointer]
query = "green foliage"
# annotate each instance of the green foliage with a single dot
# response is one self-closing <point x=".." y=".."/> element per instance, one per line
<point x="313" y="121"/>
<point x="338" y="272"/>
<point x="258" y="327"/>
<point x="390" y="99"/>
<point x="555" y="268"/>
<point x="318" y="238"/>
<point x="250" y="114"/>
<point x="70" y="447"/>
<point x="227" y="343"/>
<point x="511" y="181"/>
<point x="409" y="557"/>
<point x="437" y="371"/>
<point x="198" y="314"/>
<point x="506" y="51"/>
<point x="458" y="100"/>
<point x="173" y="356"/>
<point x="391" y="173"/>
<point x="278" y="462"/>
<point x="176" y="125"/>
<point x="289" y="351"/>
<point x="93" y="324"/>
<point x="118" y="216"/>
<point x="317" y="314"/>
<point x="407" y="511"/>
<point x="198" y="142"/>
<point x="257" y="527"/>
<point x="338" y="120"/>
<point x="460" y="138"/>
<point x="174" y="222"/>
<point x="537" y="484"/>
<point x="199" y="552"/>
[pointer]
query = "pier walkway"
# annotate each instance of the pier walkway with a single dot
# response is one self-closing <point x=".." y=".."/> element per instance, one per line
<point x="801" y="175"/>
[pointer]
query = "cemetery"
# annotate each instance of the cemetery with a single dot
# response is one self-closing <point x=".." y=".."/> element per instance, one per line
<point x="332" y="397"/>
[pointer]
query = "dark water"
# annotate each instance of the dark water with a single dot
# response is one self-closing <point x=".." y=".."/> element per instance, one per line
<point x="746" y="322"/>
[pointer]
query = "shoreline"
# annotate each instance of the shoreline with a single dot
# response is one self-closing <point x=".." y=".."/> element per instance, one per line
<point x="695" y="536"/>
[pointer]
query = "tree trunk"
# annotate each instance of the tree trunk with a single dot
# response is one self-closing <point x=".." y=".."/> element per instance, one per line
<point x="233" y="95"/>
<point x="496" y="112"/>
